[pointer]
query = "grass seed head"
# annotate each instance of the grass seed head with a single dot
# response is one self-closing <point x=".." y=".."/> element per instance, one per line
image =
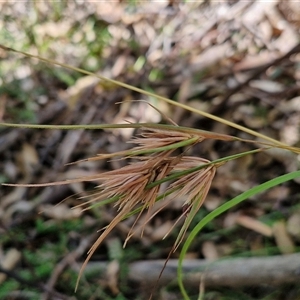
<point x="194" y="186"/>
<point x="129" y="187"/>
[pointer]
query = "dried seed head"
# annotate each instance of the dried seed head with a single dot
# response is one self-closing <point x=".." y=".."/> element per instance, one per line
<point x="130" y="187"/>
<point x="153" y="138"/>
<point x="194" y="186"/>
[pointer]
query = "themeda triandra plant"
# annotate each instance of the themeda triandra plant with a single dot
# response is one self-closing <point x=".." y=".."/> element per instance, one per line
<point x="138" y="183"/>
<point x="135" y="187"/>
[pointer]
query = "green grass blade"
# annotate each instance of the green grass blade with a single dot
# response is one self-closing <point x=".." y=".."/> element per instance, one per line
<point x="226" y="206"/>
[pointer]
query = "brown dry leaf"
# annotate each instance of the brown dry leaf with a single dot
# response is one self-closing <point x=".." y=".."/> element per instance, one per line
<point x="291" y="10"/>
<point x="112" y="276"/>
<point x="266" y="32"/>
<point x="209" y="57"/>
<point x="277" y="193"/>
<point x="276" y="20"/>
<point x="256" y="12"/>
<point x="210" y="251"/>
<point x="282" y="238"/>
<point x="212" y="202"/>
<point x="290" y="131"/>
<point x="17" y="194"/>
<point x="60" y="212"/>
<point x="109" y="11"/>
<point x="293" y="225"/>
<point x="267" y="86"/>
<point x="255" y="225"/>
<point x="52" y="29"/>
<point x="10" y="260"/>
<point x="253" y="61"/>
<point x="119" y="65"/>
<point x="159" y="232"/>
<point x="288" y="39"/>
<point x="28" y="160"/>
<point x="10" y="170"/>
<point x="238" y="185"/>
<point x="290" y="106"/>
<point x="230" y="219"/>
<point x="14" y="203"/>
